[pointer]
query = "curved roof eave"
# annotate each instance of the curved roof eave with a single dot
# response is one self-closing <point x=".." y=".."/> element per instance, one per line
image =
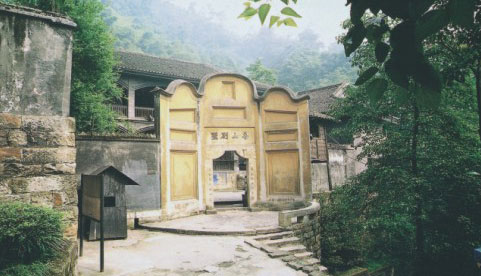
<point x="171" y="88"/>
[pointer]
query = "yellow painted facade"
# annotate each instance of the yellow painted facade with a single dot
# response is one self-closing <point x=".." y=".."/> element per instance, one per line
<point x="226" y="114"/>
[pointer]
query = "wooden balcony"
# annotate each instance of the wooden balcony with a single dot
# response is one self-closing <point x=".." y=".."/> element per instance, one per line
<point x="140" y="112"/>
<point x="122" y="110"/>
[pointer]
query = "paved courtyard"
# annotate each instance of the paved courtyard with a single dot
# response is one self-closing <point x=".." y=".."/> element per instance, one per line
<point x="224" y="221"/>
<point x="154" y="253"/>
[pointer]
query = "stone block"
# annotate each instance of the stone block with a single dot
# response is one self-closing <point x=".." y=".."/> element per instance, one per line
<point x="15" y="198"/>
<point x="10" y="154"/>
<point x="64" y="168"/>
<point x="41" y="184"/>
<point x="48" y="155"/>
<point x="4" y="187"/>
<point x="17" y="138"/>
<point x="3" y="141"/>
<point x="9" y="121"/>
<point x="49" y="131"/>
<point x="42" y="198"/>
<point x="18" y="169"/>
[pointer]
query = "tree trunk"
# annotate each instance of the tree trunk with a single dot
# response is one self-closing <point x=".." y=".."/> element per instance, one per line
<point x="419" y="262"/>
<point x="477" y="76"/>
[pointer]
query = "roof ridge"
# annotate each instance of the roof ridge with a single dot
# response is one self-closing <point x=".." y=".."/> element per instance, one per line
<point x="167" y="58"/>
<point x="322" y="88"/>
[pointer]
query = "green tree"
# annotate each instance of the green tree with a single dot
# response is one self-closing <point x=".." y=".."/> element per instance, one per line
<point x="93" y="76"/>
<point x="419" y="177"/>
<point x="260" y="73"/>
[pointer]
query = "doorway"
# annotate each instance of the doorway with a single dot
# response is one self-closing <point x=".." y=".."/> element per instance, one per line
<point x="230" y="180"/>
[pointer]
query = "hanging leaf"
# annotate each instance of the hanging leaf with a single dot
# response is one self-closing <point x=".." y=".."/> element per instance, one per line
<point x="462" y="12"/>
<point x="263" y="11"/>
<point x="273" y="20"/>
<point x="248" y="12"/>
<point x="394" y="72"/>
<point x="285" y="2"/>
<point x="427" y="77"/>
<point x="354" y="38"/>
<point x="431" y="23"/>
<point x="376" y="88"/>
<point x="358" y="9"/>
<point x="427" y="98"/>
<point x="290" y="12"/>
<point x="366" y="75"/>
<point x="290" y="22"/>
<point x="295" y="1"/>
<point x="381" y="51"/>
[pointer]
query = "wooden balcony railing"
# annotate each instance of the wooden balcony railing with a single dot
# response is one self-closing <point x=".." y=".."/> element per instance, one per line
<point x="144" y="112"/>
<point x="122" y="110"/>
<point x="140" y="112"/>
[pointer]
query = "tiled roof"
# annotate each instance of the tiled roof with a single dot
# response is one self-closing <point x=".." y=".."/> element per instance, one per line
<point x="322" y="98"/>
<point x="166" y="67"/>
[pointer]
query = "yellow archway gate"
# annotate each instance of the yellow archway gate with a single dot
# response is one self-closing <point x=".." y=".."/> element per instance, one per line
<point x="226" y="114"/>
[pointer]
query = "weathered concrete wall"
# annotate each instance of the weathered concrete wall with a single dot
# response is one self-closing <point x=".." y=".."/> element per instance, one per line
<point x="138" y="158"/>
<point x="37" y="163"/>
<point x="35" y="62"/>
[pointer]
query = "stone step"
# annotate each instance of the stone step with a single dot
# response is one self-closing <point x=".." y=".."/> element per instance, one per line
<point x="303" y="255"/>
<point x="294" y="248"/>
<point x="283" y="241"/>
<point x="274" y="236"/>
<point x="310" y="261"/>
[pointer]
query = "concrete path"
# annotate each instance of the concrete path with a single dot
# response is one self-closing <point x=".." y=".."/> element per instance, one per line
<point x="227" y="222"/>
<point x="154" y="253"/>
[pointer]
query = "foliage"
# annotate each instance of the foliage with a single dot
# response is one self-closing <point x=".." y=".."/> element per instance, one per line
<point x="34" y="269"/>
<point x="260" y="73"/>
<point x="382" y="201"/>
<point x="93" y="77"/>
<point x="285" y="16"/>
<point x="29" y="233"/>
<point x="307" y="69"/>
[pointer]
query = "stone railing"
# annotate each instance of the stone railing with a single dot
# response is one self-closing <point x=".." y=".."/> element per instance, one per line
<point x="301" y="215"/>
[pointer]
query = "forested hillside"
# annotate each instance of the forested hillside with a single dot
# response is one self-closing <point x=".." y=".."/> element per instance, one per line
<point x="157" y="28"/>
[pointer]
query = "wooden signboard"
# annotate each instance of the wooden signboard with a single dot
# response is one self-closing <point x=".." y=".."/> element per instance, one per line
<point x="91" y="196"/>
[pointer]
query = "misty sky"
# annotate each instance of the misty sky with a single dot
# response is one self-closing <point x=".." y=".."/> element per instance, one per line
<point x="323" y="17"/>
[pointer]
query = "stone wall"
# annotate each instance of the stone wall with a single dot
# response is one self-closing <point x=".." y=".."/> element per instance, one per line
<point x="309" y="234"/>
<point x="137" y="158"/>
<point x="35" y="61"/>
<point x="37" y="163"/>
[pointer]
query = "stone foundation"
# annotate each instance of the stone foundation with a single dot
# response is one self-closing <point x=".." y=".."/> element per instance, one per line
<point x="309" y="233"/>
<point x="37" y="164"/>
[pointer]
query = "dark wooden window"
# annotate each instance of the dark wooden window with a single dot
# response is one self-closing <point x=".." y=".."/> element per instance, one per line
<point x="225" y="162"/>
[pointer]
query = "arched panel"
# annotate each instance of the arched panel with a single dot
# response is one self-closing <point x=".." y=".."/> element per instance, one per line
<point x="285" y="131"/>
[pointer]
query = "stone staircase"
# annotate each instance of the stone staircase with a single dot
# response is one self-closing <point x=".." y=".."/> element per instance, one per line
<point x="287" y="247"/>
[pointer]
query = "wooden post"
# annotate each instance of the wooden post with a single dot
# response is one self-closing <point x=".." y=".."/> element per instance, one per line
<point x="329" y="181"/>
<point x="81" y="229"/>
<point x="102" y="225"/>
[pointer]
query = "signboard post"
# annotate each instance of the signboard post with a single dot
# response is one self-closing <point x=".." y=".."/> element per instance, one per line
<point x="106" y="182"/>
<point x="92" y="206"/>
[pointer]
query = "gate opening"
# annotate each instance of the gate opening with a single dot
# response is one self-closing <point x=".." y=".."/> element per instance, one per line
<point x="230" y="180"/>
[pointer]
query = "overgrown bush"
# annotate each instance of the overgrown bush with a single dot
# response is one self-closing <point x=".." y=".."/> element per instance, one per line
<point x="29" y="234"/>
<point x="34" y="269"/>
